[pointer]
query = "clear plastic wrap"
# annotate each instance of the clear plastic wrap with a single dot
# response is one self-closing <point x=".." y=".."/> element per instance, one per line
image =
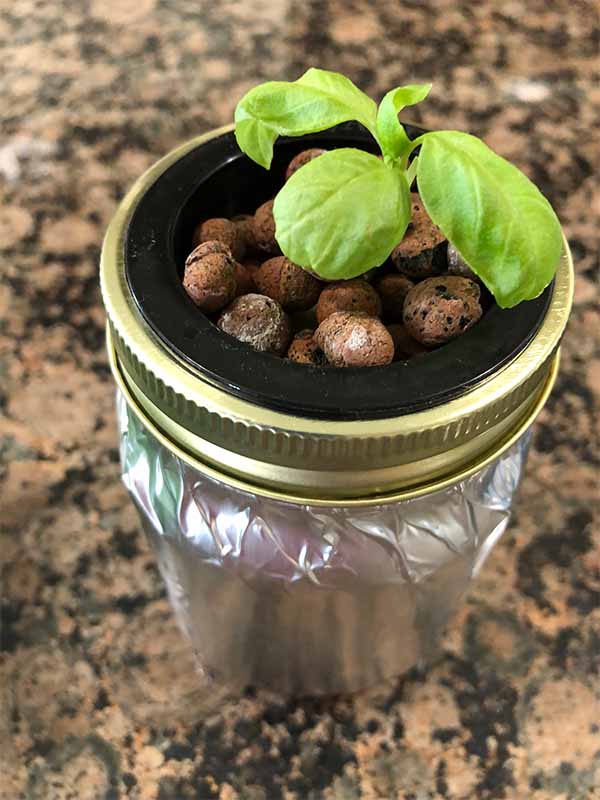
<point x="305" y="598"/>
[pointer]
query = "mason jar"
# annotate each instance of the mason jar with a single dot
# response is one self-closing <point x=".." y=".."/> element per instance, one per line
<point x="315" y="527"/>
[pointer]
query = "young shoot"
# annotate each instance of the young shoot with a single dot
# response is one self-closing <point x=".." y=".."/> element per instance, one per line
<point x="343" y="213"/>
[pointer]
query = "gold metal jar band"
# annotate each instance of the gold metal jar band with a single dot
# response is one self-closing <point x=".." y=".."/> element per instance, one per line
<point x="279" y="492"/>
<point x="324" y="460"/>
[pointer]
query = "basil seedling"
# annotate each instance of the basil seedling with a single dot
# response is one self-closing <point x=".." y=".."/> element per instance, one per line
<point x="344" y="212"/>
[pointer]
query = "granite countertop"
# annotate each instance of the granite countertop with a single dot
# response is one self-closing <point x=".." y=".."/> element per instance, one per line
<point x="99" y="698"/>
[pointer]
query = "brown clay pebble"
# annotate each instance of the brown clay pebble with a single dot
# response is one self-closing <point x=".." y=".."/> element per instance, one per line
<point x="392" y="290"/>
<point x="209" y="279"/>
<point x="405" y="346"/>
<point x="258" y="321"/>
<point x="422" y="251"/>
<point x="439" y="309"/>
<point x="301" y="159"/>
<point x="457" y="265"/>
<point x="354" y="295"/>
<point x="244" y="279"/>
<point x="304" y="350"/>
<point x="223" y="230"/>
<point x="208" y="247"/>
<point x="264" y="229"/>
<point x="252" y="264"/>
<point x="292" y="287"/>
<point x="354" y="340"/>
<point x="245" y="225"/>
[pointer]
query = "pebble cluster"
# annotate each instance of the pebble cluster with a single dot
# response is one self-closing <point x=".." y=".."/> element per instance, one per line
<point x="422" y="297"/>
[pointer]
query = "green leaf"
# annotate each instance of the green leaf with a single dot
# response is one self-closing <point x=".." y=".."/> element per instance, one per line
<point x="316" y="101"/>
<point x="500" y="223"/>
<point x="342" y="213"/>
<point x="342" y="93"/>
<point x="254" y="137"/>
<point x="390" y="133"/>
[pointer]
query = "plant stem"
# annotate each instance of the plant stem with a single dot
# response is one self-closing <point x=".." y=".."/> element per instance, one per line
<point x="412" y="144"/>
<point x="412" y="171"/>
<point x="415" y="143"/>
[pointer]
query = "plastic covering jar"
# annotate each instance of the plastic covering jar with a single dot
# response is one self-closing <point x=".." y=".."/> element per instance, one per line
<point x="315" y="527"/>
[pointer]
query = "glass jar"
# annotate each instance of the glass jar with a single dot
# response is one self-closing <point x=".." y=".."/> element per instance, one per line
<point x="315" y="528"/>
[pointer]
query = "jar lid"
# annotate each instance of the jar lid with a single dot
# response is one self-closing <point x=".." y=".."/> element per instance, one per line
<point x="402" y="441"/>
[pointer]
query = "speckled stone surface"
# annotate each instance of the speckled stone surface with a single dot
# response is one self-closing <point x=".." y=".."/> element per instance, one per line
<point x="99" y="699"/>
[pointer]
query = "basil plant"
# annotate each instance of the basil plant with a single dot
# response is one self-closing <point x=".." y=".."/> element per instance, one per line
<point x="343" y="213"/>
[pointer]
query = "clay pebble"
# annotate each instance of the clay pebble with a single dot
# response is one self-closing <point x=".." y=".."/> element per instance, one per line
<point x="440" y="308"/>
<point x="354" y="340"/>
<point x="301" y="159"/>
<point x="292" y="287"/>
<point x="422" y="251"/>
<point x="244" y="279"/>
<point x="258" y="321"/>
<point x="457" y="265"/>
<point x="245" y="225"/>
<point x="392" y="289"/>
<point x="354" y="295"/>
<point x="305" y="350"/>
<point x="209" y="278"/>
<point x="221" y="230"/>
<point x="264" y="229"/>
